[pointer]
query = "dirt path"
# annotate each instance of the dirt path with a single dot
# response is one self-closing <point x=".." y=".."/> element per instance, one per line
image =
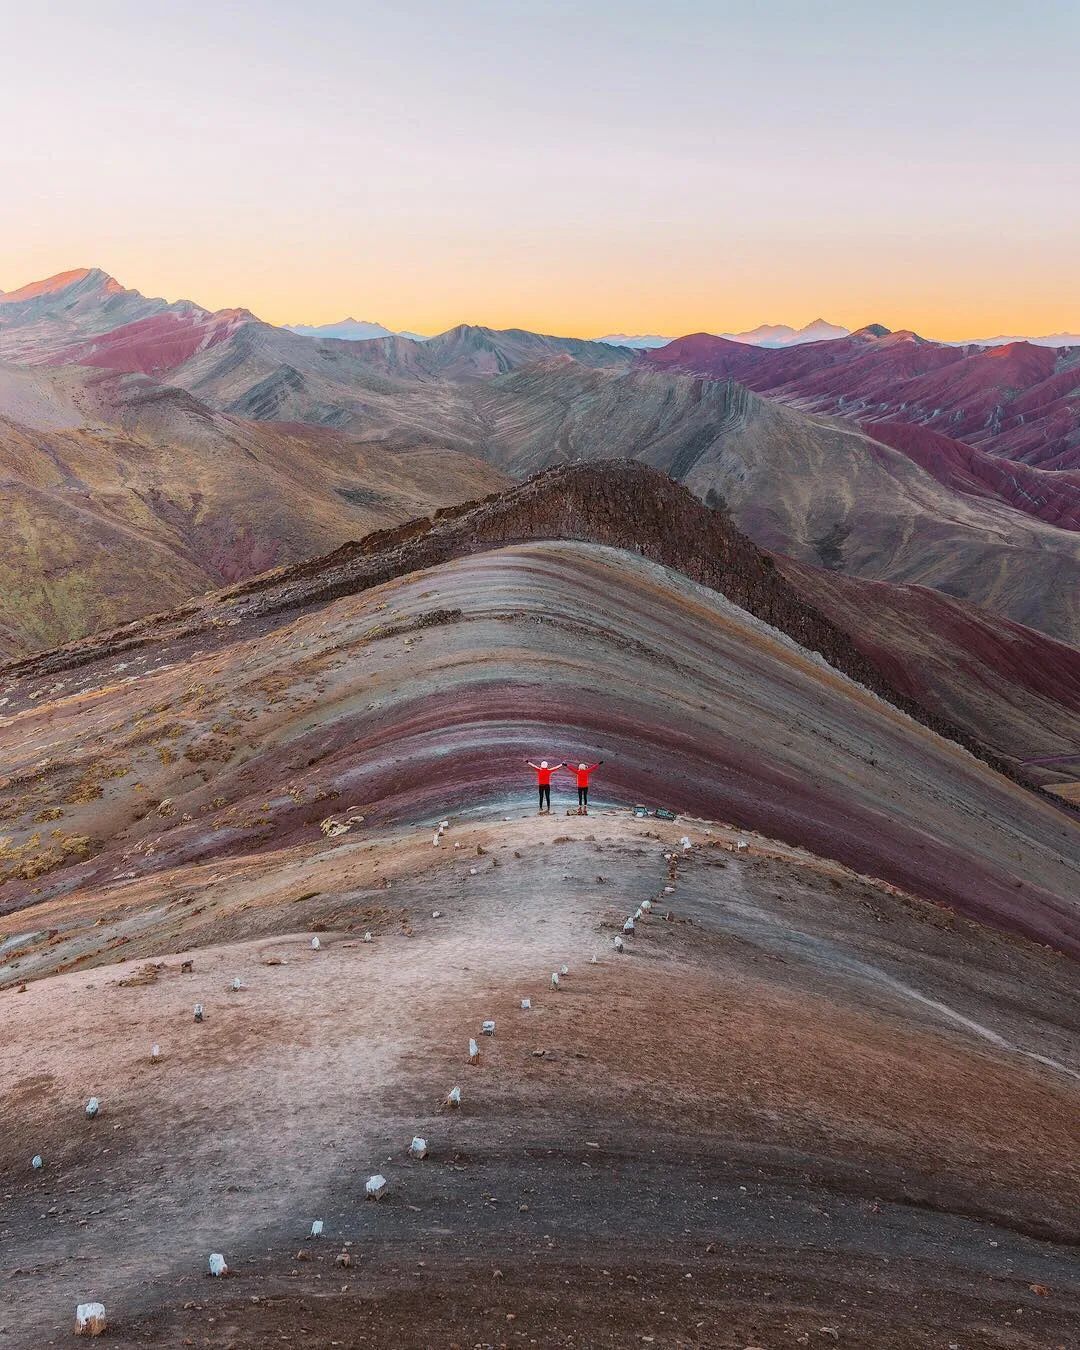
<point x="744" y="1098"/>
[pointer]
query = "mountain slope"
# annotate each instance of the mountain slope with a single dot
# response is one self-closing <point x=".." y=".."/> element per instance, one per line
<point x="791" y="1010"/>
<point x="1019" y="401"/>
<point x="1012" y="689"/>
<point x="121" y="496"/>
<point x="819" y="490"/>
<point x="46" y="316"/>
<point x="832" y="768"/>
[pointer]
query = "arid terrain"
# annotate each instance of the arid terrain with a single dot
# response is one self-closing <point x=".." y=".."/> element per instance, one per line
<point x="219" y="445"/>
<point x="827" y="1093"/>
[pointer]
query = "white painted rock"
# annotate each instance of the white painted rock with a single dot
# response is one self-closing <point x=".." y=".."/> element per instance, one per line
<point x="444" y="824"/>
<point x="668" y="890"/>
<point x="488" y="1028"/>
<point x="637" y="914"/>
<point x="453" y="1097"/>
<point x="236" y="985"/>
<point x="592" y="960"/>
<point x="742" y="844"/>
<point x="198" y="1012"/>
<point x="418" y="1148"/>
<point x="456" y="844"/>
<point x="375" y="1187"/>
<point x="315" y="944"/>
<point x="155" y="1053"/>
<point x="526" y="1004"/>
<point x="474" y="1052"/>
<point x="93" y="1106"/>
<point x="90" y="1319"/>
<point x="218" y="1268"/>
<point x="554" y="979"/>
<point x="316" y="1229"/>
<point x="436" y="913"/>
<point x="472" y="871"/>
<point x="646" y="906"/>
<point x="435" y="838"/>
<point x="618" y="944"/>
<point x="367" y="937"/>
<point x="628" y="927"/>
<point x="36" y="1162"/>
<point x="564" y="970"/>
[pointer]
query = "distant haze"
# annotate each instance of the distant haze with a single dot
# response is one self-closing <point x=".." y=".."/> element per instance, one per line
<point x="619" y="166"/>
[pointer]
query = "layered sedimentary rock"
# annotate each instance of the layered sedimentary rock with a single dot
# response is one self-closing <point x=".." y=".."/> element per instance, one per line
<point x="801" y="1081"/>
<point x="394" y="685"/>
<point x="1018" y="400"/>
<point x="121" y="496"/>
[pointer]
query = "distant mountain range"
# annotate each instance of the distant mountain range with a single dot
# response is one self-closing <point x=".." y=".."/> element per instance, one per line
<point x="351" y="330"/>
<point x="138" y="428"/>
<point x="1051" y="340"/>
<point x="765" y="335"/>
<point x="1018" y="401"/>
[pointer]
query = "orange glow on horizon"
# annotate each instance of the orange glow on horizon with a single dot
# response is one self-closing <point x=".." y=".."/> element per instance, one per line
<point x="950" y="303"/>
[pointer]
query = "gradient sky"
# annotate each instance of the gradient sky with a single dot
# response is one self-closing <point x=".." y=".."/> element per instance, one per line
<point x="577" y="168"/>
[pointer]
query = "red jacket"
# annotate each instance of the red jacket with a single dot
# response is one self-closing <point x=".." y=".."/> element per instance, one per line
<point x="583" y="774"/>
<point x="543" y="776"/>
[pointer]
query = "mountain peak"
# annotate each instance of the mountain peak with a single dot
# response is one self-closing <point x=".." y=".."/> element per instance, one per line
<point x="872" y="330"/>
<point x="85" y="279"/>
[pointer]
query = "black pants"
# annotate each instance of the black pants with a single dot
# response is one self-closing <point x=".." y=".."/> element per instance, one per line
<point x="583" y="796"/>
<point x="545" y="796"/>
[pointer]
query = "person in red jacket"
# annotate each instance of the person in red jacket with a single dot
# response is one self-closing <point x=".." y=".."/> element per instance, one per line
<point x="544" y="770"/>
<point x="583" y="771"/>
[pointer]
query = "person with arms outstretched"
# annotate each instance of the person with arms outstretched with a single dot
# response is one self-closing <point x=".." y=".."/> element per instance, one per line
<point x="583" y="771"/>
<point x="544" y="770"/>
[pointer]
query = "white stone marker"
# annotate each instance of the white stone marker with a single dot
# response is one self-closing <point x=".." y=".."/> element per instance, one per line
<point x="526" y="1004"/>
<point x="453" y="1097"/>
<point x="488" y="1028"/>
<point x="618" y="944"/>
<point x="36" y="1162"/>
<point x="316" y="1229"/>
<point x="367" y="936"/>
<point x="375" y="1187"/>
<point x="564" y="970"/>
<point x="90" y="1319"/>
<point x="315" y="944"/>
<point x="93" y="1106"/>
<point x="198" y="1012"/>
<point x="418" y="1147"/>
<point x="628" y="927"/>
<point x="155" y="1053"/>
<point x="646" y="906"/>
<point x="218" y="1268"/>
<point x="554" y="979"/>
<point x="236" y="985"/>
<point x="474" y="1052"/>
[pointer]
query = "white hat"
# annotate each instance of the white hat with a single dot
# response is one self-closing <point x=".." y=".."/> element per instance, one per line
<point x="583" y="766"/>
<point x="543" y="763"/>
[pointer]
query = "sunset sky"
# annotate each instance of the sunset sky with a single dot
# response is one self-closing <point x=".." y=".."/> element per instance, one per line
<point x="579" y="168"/>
